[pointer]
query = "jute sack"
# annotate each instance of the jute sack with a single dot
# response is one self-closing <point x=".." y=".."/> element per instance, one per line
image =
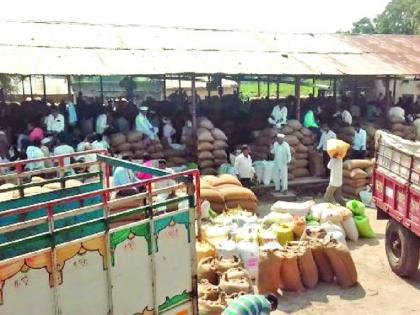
<point x="294" y="124"/>
<point x="302" y="148"/>
<point x="226" y="179"/>
<point x="269" y="267"/>
<point x="206" y="163"/>
<point x="342" y="263"/>
<point x="300" y="163"/>
<point x="207" y="270"/>
<point x="237" y="273"/>
<point x="286" y="130"/>
<point x="205" y="123"/>
<point x="204" y="135"/>
<point x="224" y="264"/>
<point x="157" y="155"/>
<point x="218" y="144"/>
<point x="352" y="164"/>
<point x="230" y="286"/>
<point x="325" y="270"/>
<point x="205" y="155"/>
<point x="217" y="207"/>
<point x="208" y="171"/>
<point x="306" y="132"/>
<point x="137" y="146"/>
<point x="308" y="140"/>
<point x="299" y="135"/>
<point x="127" y="153"/>
<point x="264" y="141"/>
<point x="269" y="132"/>
<point x="212" y="195"/>
<point x="369" y="171"/>
<point x="174" y="153"/>
<point x="138" y="154"/>
<point x="209" y="179"/>
<point x="204" y="287"/>
<point x="397" y="127"/>
<point x="316" y="165"/>
<point x="205" y="146"/>
<point x="244" y="204"/>
<point x="218" y="134"/>
<point x="362" y="182"/>
<point x="219" y="154"/>
<point x="356" y="173"/>
<point x="219" y="162"/>
<point x="290" y="275"/>
<point x="237" y="193"/>
<point x="209" y="306"/>
<point x="300" y="172"/>
<point x="117" y="139"/>
<point x="337" y="148"/>
<point x="306" y="264"/>
<point x="123" y="147"/>
<point x="134" y="136"/>
<point x="301" y="156"/>
<point x="292" y="140"/>
<point x="204" y="250"/>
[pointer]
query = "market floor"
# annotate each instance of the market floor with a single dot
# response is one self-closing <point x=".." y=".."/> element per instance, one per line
<point x="379" y="291"/>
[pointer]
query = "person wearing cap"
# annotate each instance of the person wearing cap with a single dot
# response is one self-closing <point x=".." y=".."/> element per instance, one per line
<point x="143" y="124"/>
<point x="243" y="167"/>
<point x="252" y="304"/>
<point x="282" y="158"/>
<point x="278" y="116"/>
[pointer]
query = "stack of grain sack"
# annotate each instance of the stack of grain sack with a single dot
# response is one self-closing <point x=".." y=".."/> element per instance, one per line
<point x="134" y="145"/>
<point x="346" y="134"/>
<point x="211" y="147"/>
<point x="357" y="175"/>
<point x="300" y="139"/>
<point x="176" y="157"/>
<point x="226" y="192"/>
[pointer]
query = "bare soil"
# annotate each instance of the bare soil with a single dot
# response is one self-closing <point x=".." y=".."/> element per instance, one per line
<point x="379" y="291"/>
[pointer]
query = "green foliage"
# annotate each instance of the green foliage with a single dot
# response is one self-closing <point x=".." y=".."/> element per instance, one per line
<point x="363" y="26"/>
<point x="7" y="83"/>
<point x="399" y="17"/>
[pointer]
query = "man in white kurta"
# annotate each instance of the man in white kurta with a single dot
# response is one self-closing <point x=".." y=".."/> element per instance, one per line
<point x="278" y="116"/>
<point x="143" y="124"/>
<point x="282" y="157"/>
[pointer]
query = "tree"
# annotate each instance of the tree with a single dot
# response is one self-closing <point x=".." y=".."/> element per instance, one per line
<point x="8" y="83"/>
<point x="363" y="26"/>
<point x="399" y="17"/>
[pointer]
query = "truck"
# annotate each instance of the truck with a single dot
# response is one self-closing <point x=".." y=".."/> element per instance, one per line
<point x="79" y="249"/>
<point x="396" y="194"/>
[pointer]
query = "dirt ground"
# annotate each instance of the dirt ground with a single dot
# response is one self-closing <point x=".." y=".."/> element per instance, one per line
<point x="379" y="291"/>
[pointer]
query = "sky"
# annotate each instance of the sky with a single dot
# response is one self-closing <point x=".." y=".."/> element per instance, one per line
<point x="287" y="16"/>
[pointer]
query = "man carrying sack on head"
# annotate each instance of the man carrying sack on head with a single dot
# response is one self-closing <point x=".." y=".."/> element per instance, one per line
<point x="282" y="159"/>
<point x="337" y="150"/>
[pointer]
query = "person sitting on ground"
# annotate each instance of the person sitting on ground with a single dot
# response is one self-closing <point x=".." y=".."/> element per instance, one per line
<point x="33" y="151"/>
<point x="333" y="193"/>
<point x="251" y="304"/>
<point x="243" y="167"/>
<point x="359" y="142"/>
<point x="396" y="114"/>
<point x="123" y="176"/>
<point x="54" y="121"/>
<point x="62" y="148"/>
<point x="35" y="132"/>
<point x="278" y="116"/>
<point x="101" y="141"/>
<point x="327" y="134"/>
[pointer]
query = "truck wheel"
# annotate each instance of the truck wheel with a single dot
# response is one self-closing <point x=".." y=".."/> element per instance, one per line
<point x="402" y="249"/>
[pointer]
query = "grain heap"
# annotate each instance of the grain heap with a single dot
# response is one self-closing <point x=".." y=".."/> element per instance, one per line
<point x="356" y="175"/>
<point x="226" y="192"/>
<point x="211" y="146"/>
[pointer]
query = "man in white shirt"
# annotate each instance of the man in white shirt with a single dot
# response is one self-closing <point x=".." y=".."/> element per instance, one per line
<point x="34" y="152"/>
<point x="143" y="124"/>
<point x="63" y="148"/>
<point x="103" y="122"/>
<point x="55" y="122"/>
<point x="333" y="193"/>
<point x="282" y="159"/>
<point x="243" y="167"/>
<point x="326" y="135"/>
<point x="396" y="114"/>
<point x="346" y="118"/>
<point x="359" y="142"/>
<point x="278" y="116"/>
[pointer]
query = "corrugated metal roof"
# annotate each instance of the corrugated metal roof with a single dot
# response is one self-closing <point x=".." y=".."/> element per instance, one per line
<point x="87" y="49"/>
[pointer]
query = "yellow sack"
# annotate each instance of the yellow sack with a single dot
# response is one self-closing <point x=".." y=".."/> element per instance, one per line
<point x="337" y="148"/>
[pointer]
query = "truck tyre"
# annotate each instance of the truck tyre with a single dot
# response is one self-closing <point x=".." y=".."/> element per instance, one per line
<point x="402" y="249"/>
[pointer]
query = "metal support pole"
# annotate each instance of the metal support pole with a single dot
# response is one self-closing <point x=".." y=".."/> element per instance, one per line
<point x="30" y="86"/>
<point x="313" y="87"/>
<point x="69" y="86"/>
<point x="164" y="87"/>
<point x="101" y="83"/>
<point x="268" y="87"/>
<point x="394" y="90"/>
<point x="387" y="100"/>
<point x="179" y="84"/>
<point x="335" y="90"/>
<point x="23" y="87"/>
<point x="45" y="88"/>
<point x="209" y="87"/>
<point x="194" y="110"/>
<point x="297" y="95"/>
<point x="278" y="88"/>
<point x="258" y="87"/>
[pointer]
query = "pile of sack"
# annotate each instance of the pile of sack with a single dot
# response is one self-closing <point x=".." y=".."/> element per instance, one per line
<point x="346" y="134"/>
<point x="176" y="157"/>
<point x="405" y="131"/>
<point x="220" y="281"/>
<point x="301" y="142"/>
<point x="133" y="144"/>
<point x="211" y="147"/>
<point x="357" y="175"/>
<point x="226" y="192"/>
